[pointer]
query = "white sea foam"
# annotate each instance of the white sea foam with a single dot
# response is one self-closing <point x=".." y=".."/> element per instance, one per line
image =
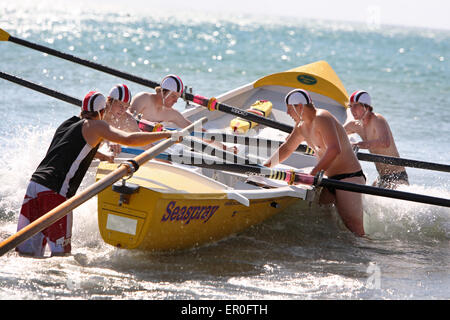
<point x="299" y="254"/>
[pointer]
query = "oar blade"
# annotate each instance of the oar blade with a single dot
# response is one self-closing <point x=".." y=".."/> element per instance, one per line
<point x="4" y="36"/>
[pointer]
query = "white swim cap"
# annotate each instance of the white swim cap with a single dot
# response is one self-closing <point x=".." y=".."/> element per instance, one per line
<point x="120" y="92"/>
<point x="298" y="96"/>
<point x="173" y="83"/>
<point x="361" y="96"/>
<point x="94" y="101"/>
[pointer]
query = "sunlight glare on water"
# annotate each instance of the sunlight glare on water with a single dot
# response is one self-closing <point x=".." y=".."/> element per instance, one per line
<point x="300" y="254"/>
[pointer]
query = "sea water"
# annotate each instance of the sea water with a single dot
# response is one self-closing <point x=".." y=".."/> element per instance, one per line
<point x="300" y="254"/>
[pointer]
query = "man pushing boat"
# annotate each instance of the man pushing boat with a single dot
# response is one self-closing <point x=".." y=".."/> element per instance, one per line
<point x="323" y="132"/>
<point x="376" y="136"/>
<point x="61" y="172"/>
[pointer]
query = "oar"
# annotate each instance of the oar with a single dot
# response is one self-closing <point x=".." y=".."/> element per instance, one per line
<point x="39" y="88"/>
<point x="254" y="142"/>
<point x="207" y="161"/>
<point x="213" y="104"/>
<point x="395" y="194"/>
<point x="295" y="177"/>
<point x="403" y="162"/>
<point x="209" y="149"/>
<point x="267" y="143"/>
<point x="63" y="209"/>
<point x="5" y="36"/>
<point x="148" y="126"/>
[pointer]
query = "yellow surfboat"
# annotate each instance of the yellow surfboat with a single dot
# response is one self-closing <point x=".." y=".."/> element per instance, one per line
<point x="172" y="206"/>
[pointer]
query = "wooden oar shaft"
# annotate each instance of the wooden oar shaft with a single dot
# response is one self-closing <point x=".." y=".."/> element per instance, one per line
<point x="60" y="211"/>
<point x="63" y="209"/>
<point x="84" y="62"/>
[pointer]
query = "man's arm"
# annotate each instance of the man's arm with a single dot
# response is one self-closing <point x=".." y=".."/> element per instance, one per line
<point x="176" y="117"/>
<point x="104" y="157"/>
<point x="352" y="127"/>
<point x="94" y="131"/>
<point x="382" y="133"/>
<point x="287" y="148"/>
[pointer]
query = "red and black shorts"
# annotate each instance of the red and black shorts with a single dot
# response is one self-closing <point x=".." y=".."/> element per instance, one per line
<point x="38" y="201"/>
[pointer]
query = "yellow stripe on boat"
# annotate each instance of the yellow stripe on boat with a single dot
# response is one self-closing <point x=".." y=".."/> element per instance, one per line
<point x="260" y="107"/>
<point x="316" y="77"/>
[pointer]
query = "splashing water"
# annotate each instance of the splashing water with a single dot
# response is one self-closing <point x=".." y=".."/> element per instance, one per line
<point x="300" y="254"/>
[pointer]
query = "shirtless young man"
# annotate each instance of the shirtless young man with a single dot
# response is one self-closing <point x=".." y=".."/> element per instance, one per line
<point x="117" y="103"/>
<point x="60" y="173"/>
<point x="158" y="107"/>
<point x="376" y="136"/>
<point x="327" y="137"/>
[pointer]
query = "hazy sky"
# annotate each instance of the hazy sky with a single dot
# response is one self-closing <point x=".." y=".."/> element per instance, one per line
<point x="420" y="13"/>
<point x="427" y="13"/>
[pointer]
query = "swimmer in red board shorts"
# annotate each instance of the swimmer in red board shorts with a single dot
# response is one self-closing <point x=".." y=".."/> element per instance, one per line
<point x="60" y="173"/>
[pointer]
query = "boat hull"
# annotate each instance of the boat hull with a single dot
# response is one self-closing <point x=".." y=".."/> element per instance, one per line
<point x="174" y="208"/>
<point x="152" y="222"/>
<point x="169" y="214"/>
